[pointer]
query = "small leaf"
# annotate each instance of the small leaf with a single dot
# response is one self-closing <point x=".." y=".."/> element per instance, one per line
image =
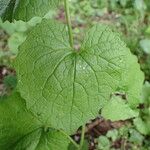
<point x="25" y="9"/>
<point x="68" y="88"/>
<point x="145" y="45"/>
<point x="141" y="126"/>
<point x="20" y="129"/>
<point x="117" y="109"/>
<point x="113" y="134"/>
<point x="135" y="136"/>
<point x="103" y="143"/>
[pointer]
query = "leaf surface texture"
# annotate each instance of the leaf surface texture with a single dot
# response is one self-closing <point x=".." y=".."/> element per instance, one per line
<point x="20" y="129"/>
<point x="65" y="88"/>
<point x="25" y="9"/>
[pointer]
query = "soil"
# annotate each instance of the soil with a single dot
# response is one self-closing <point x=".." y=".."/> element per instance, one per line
<point x="98" y="127"/>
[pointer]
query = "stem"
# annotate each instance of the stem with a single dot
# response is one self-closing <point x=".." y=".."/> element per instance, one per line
<point x="67" y="12"/>
<point x="71" y="140"/>
<point x="82" y="137"/>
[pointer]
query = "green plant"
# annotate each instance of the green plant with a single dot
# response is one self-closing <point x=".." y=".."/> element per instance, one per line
<point x="127" y="135"/>
<point x="103" y="143"/>
<point x="62" y="88"/>
<point x="142" y="122"/>
<point x="25" y="10"/>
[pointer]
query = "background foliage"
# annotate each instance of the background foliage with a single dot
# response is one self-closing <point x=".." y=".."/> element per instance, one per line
<point x="132" y="19"/>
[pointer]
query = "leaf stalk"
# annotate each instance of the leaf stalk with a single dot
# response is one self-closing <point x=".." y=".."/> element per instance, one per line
<point x="82" y="138"/>
<point x="71" y="140"/>
<point x="67" y="13"/>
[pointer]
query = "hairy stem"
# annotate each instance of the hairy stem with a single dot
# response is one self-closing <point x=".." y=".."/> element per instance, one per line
<point x="67" y="12"/>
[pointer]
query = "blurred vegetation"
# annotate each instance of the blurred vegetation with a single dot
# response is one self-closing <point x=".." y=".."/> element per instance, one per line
<point x="132" y="19"/>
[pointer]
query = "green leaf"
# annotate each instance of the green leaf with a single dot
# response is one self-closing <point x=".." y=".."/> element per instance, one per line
<point x="15" y="40"/>
<point x="103" y="143"/>
<point x="6" y="9"/>
<point x="20" y="129"/>
<point x="135" y="136"/>
<point x="141" y="126"/>
<point x="145" y="45"/>
<point x="117" y="109"/>
<point x="19" y="26"/>
<point x="132" y="87"/>
<point x="25" y="9"/>
<point x="113" y="134"/>
<point x="66" y="87"/>
<point x="85" y="146"/>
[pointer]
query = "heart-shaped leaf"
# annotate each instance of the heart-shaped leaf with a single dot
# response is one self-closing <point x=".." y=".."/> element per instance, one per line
<point x="64" y="87"/>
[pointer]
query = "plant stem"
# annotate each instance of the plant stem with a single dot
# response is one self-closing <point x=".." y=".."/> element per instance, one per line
<point x="67" y="12"/>
<point x="82" y="138"/>
<point x="71" y="140"/>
